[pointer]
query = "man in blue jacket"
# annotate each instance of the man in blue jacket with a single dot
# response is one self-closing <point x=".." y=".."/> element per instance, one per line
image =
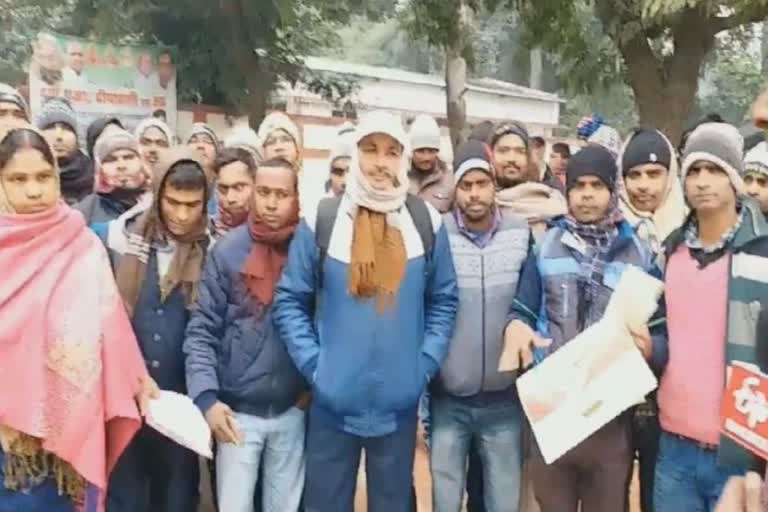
<point x="564" y="289"/>
<point x="238" y="371"/>
<point x="377" y="263"/>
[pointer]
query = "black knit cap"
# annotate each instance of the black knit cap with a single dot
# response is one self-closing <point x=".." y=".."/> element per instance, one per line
<point x="507" y="128"/>
<point x="646" y="147"/>
<point x="471" y="155"/>
<point x="592" y="160"/>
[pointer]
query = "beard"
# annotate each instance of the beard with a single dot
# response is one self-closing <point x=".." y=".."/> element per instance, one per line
<point x="505" y="181"/>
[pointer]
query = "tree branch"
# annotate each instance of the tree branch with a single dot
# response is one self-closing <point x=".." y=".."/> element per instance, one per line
<point x="720" y="24"/>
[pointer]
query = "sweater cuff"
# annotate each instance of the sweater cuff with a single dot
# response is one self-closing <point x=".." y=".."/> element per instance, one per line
<point x="206" y="400"/>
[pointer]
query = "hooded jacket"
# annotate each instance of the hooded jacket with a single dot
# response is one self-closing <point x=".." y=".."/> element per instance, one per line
<point x="654" y="228"/>
<point x="159" y="324"/>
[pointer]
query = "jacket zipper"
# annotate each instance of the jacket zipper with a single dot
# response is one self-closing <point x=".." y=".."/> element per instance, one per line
<point x="482" y="318"/>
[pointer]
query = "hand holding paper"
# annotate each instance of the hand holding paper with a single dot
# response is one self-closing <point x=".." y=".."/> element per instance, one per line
<point x="595" y="376"/>
<point x="519" y="342"/>
<point x="175" y="416"/>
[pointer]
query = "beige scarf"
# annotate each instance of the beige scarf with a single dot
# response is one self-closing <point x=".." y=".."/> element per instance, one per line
<point x="655" y="227"/>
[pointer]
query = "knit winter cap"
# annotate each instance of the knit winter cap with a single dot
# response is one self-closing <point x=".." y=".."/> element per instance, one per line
<point x="343" y="145"/>
<point x="279" y="121"/>
<point x="153" y="122"/>
<point x="424" y="133"/>
<point x="720" y="144"/>
<point x="756" y="160"/>
<point x="379" y="121"/>
<point x="607" y="137"/>
<point x="204" y="129"/>
<point x="645" y="147"/>
<point x="57" y="110"/>
<point x="513" y="128"/>
<point x="10" y="95"/>
<point x="593" y="160"/>
<point x="113" y="141"/>
<point x="472" y="155"/>
<point x="244" y="137"/>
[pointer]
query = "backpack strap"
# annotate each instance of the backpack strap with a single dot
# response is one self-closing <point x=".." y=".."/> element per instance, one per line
<point x="423" y="222"/>
<point x="327" y="211"/>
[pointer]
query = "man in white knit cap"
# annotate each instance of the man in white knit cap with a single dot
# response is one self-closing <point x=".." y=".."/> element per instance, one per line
<point x="155" y="138"/>
<point x="430" y="178"/>
<point x="756" y="175"/>
<point x="372" y="259"/>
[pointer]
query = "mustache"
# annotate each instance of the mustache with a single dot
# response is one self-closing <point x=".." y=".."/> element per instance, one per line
<point x="383" y="171"/>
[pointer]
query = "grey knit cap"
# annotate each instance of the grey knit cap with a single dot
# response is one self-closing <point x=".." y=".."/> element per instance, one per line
<point x="114" y="140"/>
<point x="57" y="110"/>
<point x="720" y="144"/>
<point x="11" y="95"/>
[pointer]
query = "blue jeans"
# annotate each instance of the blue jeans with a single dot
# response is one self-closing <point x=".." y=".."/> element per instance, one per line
<point x="333" y="459"/>
<point x="687" y="476"/>
<point x="279" y="442"/>
<point x="495" y="431"/>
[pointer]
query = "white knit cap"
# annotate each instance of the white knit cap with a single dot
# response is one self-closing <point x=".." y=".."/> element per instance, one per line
<point x="244" y="137"/>
<point x="607" y="137"/>
<point x="153" y="122"/>
<point x="425" y="133"/>
<point x="720" y="144"/>
<point x="279" y="121"/>
<point x="343" y="145"/>
<point x="358" y="189"/>
<point x="757" y="159"/>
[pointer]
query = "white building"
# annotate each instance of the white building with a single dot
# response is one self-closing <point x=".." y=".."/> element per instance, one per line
<point x="395" y="90"/>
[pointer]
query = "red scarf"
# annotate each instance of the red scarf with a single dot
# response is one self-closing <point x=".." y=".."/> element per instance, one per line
<point x="265" y="263"/>
<point x="224" y="221"/>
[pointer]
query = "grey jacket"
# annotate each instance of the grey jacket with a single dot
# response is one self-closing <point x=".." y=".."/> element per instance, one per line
<point x="487" y="279"/>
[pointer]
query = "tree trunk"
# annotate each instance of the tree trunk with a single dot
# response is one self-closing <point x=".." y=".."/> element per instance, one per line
<point x="665" y="87"/>
<point x="456" y="84"/>
<point x="258" y="98"/>
<point x="764" y="48"/>
<point x="456" y="76"/>
<point x="536" y="68"/>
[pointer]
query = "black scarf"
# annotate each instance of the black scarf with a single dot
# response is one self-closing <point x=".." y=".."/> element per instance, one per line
<point x="76" y="176"/>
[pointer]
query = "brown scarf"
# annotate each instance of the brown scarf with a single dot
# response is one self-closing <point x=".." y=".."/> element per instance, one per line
<point x="186" y="266"/>
<point x="378" y="259"/>
<point x="264" y="265"/>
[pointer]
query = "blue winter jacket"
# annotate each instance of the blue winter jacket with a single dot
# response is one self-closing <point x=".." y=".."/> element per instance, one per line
<point x="367" y="369"/>
<point x="549" y="298"/>
<point x="233" y="352"/>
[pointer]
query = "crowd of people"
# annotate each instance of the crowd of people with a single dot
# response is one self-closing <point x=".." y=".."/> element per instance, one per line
<point x="317" y="334"/>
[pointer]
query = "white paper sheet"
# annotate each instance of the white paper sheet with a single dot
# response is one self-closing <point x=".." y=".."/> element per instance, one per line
<point x="595" y="376"/>
<point x="175" y="416"/>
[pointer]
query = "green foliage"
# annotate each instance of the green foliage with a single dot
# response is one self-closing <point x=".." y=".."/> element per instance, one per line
<point x="615" y="104"/>
<point x="732" y="84"/>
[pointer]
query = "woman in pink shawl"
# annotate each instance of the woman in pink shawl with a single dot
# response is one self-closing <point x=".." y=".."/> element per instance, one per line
<point x="70" y="367"/>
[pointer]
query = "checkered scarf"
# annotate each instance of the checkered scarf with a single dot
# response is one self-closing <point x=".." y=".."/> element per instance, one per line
<point x="598" y="239"/>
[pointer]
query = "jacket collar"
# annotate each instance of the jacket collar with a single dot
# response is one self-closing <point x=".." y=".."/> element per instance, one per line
<point x="753" y="226"/>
